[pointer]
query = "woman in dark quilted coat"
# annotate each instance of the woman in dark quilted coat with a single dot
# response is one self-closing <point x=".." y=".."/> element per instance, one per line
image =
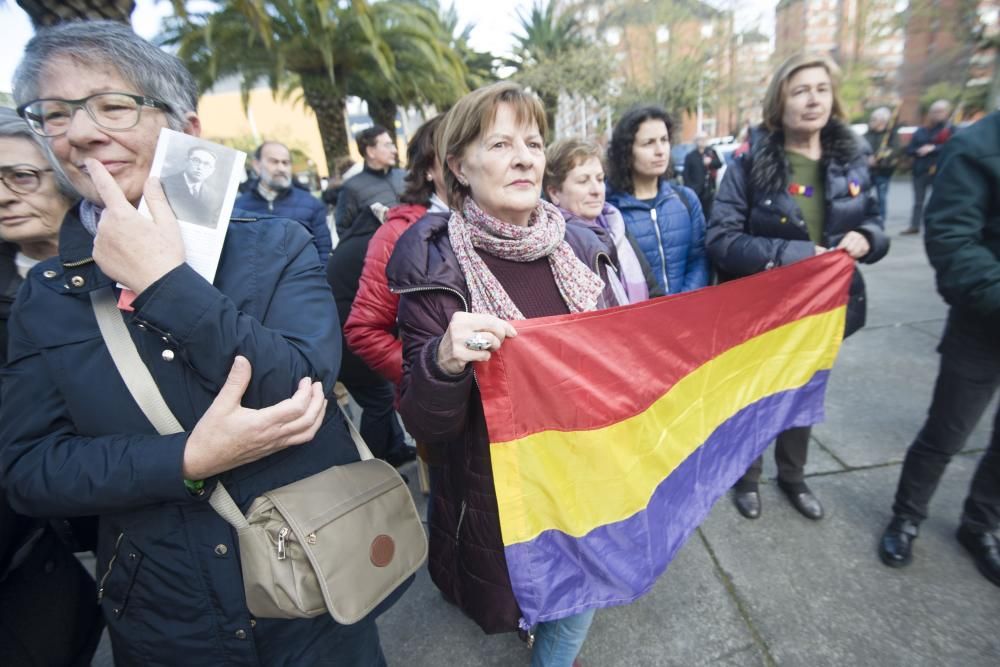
<point x="464" y="280"/>
<point x="802" y="189"/>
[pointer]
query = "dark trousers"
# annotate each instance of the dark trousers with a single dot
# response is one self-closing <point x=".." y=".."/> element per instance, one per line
<point x="921" y="186"/>
<point x="379" y="425"/>
<point x="881" y="183"/>
<point x="790" y="452"/>
<point x="968" y="378"/>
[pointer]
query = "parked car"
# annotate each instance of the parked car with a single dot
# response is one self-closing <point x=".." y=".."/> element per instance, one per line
<point x="677" y="154"/>
<point x="725" y="152"/>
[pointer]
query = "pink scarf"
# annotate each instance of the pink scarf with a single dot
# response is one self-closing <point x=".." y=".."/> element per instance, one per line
<point x="545" y="236"/>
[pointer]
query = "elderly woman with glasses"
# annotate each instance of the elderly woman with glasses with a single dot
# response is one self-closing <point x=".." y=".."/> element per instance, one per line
<point x="48" y="615"/>
<point x="244" y="363"/>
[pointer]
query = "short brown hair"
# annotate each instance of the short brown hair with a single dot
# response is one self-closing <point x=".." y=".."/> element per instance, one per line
<point x="566" y="155"/>
<point x="774" y="98"/>
<point x="472" y="116"/>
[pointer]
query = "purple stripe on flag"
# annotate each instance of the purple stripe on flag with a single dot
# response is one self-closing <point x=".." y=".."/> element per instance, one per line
<point x="556" y="575"/>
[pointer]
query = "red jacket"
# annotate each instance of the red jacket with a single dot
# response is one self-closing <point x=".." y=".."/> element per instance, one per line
<point x="370" y="330"/>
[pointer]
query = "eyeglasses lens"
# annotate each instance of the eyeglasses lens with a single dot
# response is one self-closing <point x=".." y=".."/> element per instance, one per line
<point x="111" y="111"/>
<point x="21" y="181"/>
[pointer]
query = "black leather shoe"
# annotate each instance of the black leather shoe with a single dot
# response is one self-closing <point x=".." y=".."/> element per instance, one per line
<point x="896" y="546"/>
<point x="748" y="503"/>
<point x="985" y="550"/>
<point x="804" y="501"/>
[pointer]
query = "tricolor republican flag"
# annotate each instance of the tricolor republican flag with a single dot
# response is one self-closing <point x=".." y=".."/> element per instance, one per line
<point x="612" y="433"/>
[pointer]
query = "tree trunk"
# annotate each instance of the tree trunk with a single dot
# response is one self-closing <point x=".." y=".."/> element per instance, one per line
<point x="50" y="12"/>
<point x="383" y="112"/>
<point x="328" y="104"/>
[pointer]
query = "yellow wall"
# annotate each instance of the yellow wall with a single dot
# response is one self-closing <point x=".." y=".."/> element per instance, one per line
<point x="222" y="117"/>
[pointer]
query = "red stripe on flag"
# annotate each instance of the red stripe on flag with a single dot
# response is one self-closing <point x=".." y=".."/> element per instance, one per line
<point x="589" y="370"/>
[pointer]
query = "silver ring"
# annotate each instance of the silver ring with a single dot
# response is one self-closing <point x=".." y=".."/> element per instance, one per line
<point x="478" y="342"/>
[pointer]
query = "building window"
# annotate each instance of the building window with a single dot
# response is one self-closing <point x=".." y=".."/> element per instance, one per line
<point x="662" y="34"/>
<point x="707" y="30"/>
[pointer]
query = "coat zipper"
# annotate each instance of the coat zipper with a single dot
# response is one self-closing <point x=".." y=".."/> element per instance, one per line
<point x="461" y="518"/>
<point x="659" y="248"/>
<point x="111" y="564"/>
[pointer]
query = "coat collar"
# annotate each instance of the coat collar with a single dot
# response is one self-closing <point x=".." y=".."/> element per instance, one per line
<point x="76" y="257"/>
<point x="769" y="169"/>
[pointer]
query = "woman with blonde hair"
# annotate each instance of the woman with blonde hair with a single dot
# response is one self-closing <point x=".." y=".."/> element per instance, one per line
<point x="464" y="278"/>
<point x="802" y="189"/>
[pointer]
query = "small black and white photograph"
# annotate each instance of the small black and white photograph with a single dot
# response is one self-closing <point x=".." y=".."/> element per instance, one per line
<point x="195" y="179"/>
<point x="200" y="179"/>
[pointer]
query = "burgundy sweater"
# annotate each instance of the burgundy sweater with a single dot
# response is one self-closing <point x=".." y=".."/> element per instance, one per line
<point x="530" y="285"/>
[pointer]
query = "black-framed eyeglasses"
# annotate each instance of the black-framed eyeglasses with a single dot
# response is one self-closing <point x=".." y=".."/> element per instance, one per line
<point x="51" y="117"/>
<point x="22" y="178"/>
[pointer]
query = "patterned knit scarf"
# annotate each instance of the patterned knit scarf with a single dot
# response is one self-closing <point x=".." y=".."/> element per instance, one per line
<point x="545" y="236"/>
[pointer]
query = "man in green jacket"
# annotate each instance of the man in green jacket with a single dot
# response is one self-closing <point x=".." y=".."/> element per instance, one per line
<point x="963" y="244"/>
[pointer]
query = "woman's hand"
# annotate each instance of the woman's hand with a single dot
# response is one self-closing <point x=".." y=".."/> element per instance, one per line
<point x="855" y="244"/>
<point x="229" y="435"/>
<point x="453" y="355"/>
<point x="819" y="250"/>
<point x="129" y="248"/>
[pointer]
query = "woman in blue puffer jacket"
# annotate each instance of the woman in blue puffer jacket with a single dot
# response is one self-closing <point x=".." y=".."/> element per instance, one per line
<point x="666" y="221"/>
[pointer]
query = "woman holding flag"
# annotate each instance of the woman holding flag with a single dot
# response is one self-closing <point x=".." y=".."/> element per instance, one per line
<point x="802" y="189"/>
<point x="502" y="255"/>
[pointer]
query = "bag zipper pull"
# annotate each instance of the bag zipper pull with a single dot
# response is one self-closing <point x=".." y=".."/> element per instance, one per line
<point x="282" y="534"/>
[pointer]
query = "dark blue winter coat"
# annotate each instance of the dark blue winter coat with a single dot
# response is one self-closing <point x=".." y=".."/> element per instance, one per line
<point x="295" y="204"/>
<point x="757" y="226"/>
<point x="74" y="442"/>
<point x="670" y="234"/>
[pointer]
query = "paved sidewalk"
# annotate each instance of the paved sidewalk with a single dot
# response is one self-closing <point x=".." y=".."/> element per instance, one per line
<point x="783" y="590"/>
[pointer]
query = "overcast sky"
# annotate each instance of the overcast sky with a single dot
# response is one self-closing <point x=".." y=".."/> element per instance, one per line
<point x="495" y="23"/>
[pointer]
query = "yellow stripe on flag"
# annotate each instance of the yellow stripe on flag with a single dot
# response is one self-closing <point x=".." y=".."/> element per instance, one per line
<point x="579" y="480"/>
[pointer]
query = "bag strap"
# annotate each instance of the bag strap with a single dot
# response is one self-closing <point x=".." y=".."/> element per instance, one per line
<point x="147" y="395"/>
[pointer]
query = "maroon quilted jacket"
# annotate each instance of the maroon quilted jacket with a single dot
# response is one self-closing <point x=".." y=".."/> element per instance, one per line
<point x="466" y="552"/>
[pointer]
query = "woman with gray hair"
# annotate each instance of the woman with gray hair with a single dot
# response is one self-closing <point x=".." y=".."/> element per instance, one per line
<point x="47" y="611"/>
<point x="74" y="440"/>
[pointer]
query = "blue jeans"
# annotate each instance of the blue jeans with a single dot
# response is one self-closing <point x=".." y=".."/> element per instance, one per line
<point x="557" y="643"/>
<point x="882" y="188"/>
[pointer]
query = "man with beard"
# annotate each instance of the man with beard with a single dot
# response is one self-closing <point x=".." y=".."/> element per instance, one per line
<point x="273" y="192"/>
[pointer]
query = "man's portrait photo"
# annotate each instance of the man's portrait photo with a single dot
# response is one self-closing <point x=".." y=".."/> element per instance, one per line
<point x="194" y="195"/>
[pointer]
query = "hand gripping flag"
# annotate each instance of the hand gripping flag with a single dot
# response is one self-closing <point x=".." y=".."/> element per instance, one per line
<point x="613" y="432"/>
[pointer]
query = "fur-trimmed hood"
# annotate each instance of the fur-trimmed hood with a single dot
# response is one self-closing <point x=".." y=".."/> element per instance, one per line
<point x="770" y="169"/>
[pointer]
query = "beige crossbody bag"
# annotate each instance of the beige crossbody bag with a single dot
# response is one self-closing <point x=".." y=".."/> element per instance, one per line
<point x="340" y="541"/>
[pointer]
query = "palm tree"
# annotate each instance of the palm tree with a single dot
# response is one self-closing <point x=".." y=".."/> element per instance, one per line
<point x="426" y="70"/>
<point x="50" y="12"/>
<point x="547" y="36"/>
<point x="389" y="53"/>
<point x="480" y="65"/>
<point x="312" y="44"/>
